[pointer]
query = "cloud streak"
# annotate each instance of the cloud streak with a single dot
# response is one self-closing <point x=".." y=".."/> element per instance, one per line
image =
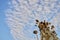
<point x="22" y="14"/>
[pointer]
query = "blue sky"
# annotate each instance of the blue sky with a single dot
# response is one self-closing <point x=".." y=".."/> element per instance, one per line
<point x="17" y="9"/>
<point x="4" y="29"/>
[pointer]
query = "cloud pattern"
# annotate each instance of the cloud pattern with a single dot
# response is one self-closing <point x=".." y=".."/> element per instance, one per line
<point x="21" y="16"/>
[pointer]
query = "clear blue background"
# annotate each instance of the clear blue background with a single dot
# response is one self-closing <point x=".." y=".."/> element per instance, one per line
<point x="4" y="30"/>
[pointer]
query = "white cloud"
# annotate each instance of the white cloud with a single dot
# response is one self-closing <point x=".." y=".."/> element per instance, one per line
<point x="20" y="16"/>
